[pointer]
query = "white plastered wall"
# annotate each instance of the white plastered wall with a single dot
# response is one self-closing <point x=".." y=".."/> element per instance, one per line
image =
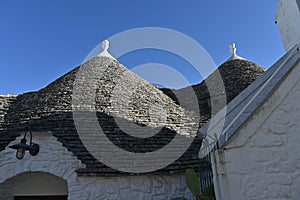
<point x="54" y="160"/>
<point x="288" y="20"/>
<point x="262" y="160"/>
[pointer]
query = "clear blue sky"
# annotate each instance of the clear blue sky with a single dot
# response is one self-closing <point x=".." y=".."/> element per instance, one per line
<point x="42" y="40"/>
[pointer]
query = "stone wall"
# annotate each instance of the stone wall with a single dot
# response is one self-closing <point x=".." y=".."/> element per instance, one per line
<point x="54" y="159"/>
<point x="262" y="160"/>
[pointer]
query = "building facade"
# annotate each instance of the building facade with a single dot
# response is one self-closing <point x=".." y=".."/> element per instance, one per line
<point x="257" y="153"/>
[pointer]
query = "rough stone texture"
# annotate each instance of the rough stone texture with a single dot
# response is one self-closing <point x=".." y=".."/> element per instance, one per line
<point x="56" y="160"/>
<point x="261" y="161"/>
<point x="124" y="103"/>
<point x="235" y="75"/>
<point x="5" y="102"/>
<point x="220" y="88"/>
<point x="121" y="100"/>
<point x="249" y="100"/>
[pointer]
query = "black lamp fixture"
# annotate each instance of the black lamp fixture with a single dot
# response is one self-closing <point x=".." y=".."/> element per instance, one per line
<point x="33" y="148"/>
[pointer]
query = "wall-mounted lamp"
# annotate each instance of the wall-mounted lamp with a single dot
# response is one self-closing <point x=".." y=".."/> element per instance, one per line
<point x="33" y="148"/>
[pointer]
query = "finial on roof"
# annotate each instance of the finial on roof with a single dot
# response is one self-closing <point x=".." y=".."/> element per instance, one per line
<point x="234" y="56"/>
<point x="232" y="49"/>
<point x="105" y="46"/>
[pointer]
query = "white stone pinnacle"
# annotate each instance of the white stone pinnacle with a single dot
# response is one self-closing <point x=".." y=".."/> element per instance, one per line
<point x="234" y="56"/>
<point x="105" y="53"/>
<point x="232" y="48"/>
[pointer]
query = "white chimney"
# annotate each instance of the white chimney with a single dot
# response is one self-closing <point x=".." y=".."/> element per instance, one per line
<point x="288" y="20"/>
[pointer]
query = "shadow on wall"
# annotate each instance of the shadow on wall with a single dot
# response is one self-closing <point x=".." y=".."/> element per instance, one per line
<point x="33" y="184"/>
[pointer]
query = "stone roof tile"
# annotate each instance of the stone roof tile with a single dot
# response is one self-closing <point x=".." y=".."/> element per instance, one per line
<point x="119" y="96"/>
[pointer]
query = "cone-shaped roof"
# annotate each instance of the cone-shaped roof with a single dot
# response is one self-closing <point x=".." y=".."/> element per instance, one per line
<point x="124" y="105"/>
<point x="120" y="97"/>
<point x="236" y="74"/>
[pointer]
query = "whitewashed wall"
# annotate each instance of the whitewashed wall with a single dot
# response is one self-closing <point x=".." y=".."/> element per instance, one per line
<point x="288" y="20"/>
<point x="262" y="160"/>
<point x="54" y="159"/>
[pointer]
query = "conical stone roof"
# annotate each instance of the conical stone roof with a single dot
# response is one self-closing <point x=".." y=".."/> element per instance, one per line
<point x="235" y="74"/>
<point x="122" y="100"/>
<point x="124" y="105"/>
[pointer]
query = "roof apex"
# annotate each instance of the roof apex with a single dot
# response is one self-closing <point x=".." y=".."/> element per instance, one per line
<point x="105" y="53"/>
<point x="234" y="56"/>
